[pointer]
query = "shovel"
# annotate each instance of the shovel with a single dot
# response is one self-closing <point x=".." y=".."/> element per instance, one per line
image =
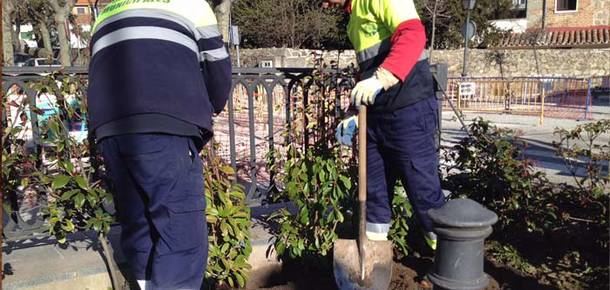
<point x="362" y="264"/>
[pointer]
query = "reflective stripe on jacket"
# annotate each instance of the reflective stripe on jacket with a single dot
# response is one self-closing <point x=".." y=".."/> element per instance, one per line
<point x="163" y="57"/>
<point x="389" y="33"/>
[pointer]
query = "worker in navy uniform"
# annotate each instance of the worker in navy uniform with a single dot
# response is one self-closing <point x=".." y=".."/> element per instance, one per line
<point x="159" y="71"/>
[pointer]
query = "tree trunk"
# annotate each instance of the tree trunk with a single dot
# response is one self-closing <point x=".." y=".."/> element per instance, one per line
<point x="63" y="35"/>
<point x="46" y="37"/>
<point x="7" y="33"/>
<point x="61" y="22"/>
<point x="222" y="9"/>
<point x="291" y="27"/>
<point x="432" y="38"/>
<point x="93" y="9"/>
<point x="16" y="35"/>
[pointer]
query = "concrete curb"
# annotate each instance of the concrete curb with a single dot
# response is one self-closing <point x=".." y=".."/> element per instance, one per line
<point x="42" y="265"/>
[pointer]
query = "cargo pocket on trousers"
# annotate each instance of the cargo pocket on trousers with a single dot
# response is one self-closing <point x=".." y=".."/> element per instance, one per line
<point x="187" y="227"/>
<point x="424" y="181"/>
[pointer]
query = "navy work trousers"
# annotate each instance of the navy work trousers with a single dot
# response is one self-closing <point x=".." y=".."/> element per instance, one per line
<point x="157" y="184"/>
<point x="401" y="145"/>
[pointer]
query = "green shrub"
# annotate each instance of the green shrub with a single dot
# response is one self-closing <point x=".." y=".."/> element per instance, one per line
<point x="320" y="179"/>
<point x="17" y="164"/>
<point x="402" y="215"/>
<point x="589" y="201"/>
<point x="316" y="175"/>
<point x="76" y="196"/>
<point x="489" y="167"/>
<point x="319" y="185"/>
<point x="228" y="219"/>
<point x="537" y="216"/>
<point x="582" y="143"/>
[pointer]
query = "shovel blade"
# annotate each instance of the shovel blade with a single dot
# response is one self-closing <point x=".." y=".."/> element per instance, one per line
<point x="377" y="265"/>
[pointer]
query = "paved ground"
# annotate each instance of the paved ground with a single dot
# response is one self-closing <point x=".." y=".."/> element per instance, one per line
<point x="39" y="264"/>
<point x="539" y="137"/>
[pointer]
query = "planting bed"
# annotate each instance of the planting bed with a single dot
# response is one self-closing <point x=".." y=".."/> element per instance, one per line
<point x="407" y="275"/>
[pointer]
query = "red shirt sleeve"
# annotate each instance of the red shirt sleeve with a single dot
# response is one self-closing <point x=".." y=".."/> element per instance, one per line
<point x="408" y="43"/>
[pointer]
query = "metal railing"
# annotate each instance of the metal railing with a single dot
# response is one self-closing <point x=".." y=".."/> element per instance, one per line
<point x="263" y="103"/>
<point x="266" y="102"/>
<point x="543" y="96"/>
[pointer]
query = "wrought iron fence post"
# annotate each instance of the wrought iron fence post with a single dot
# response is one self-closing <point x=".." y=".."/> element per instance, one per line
<point x="305" y="117"/>
<point x="253" y="182"/>
<point x="588" y="100"/>
<point x="336" y="78"/>
<point x="232" y="149"/>
<point x="287" y="107"/>
<point x="542" y="97"/>
<point x="271" y="138"/>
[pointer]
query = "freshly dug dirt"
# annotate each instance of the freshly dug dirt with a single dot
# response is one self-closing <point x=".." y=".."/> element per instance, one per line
<point x="407" y="275"/>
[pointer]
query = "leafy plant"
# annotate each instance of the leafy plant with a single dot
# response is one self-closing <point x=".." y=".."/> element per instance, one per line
<point x="402" y="214"/>
<point x="318" y="185"/>
<point x="582" y="143"/>
<point x="76" y="201"/>
<point x="317" y="175"/>
<point x="18" y="164"/>
<point x="228" y="219"/>
<point x="69" y="190"/>
<point x="76" y="196"/>
<point x="537" y="216"/>
<point x="489" y="167"/>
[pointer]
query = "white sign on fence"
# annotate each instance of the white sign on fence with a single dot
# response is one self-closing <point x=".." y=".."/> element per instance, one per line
<point x="467" y="89"/>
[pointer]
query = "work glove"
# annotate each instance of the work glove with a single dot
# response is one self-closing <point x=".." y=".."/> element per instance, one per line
<point x="346" y="130"/>
<point x="365" y="92"/>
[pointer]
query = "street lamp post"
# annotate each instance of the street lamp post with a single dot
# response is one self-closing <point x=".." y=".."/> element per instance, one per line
<point x="468" y="6"/>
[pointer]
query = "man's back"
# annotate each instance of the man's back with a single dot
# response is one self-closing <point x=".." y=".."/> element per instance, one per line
<point x="157" y="67"/>
<point x="158" y="72"/>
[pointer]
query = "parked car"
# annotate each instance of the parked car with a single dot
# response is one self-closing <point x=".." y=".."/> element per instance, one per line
<point x="42" y="62"/>
<point x="21" y="58"/>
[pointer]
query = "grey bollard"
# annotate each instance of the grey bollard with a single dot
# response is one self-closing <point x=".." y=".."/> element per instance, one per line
<point x="461" y="226"/>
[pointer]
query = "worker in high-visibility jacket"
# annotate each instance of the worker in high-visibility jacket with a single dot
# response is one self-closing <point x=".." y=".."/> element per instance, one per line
<point x="397" y="85"/>
<point x="159" y="70"/>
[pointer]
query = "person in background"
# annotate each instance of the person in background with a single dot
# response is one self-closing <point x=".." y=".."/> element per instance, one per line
<point x="159" y="71"/>
<point x="397" y="86"/>
<point x="19" y="120"/>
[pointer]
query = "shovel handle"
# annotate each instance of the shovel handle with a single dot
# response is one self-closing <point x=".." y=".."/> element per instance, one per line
<point x="362" y="154"/>
<point x="362" y="132"/>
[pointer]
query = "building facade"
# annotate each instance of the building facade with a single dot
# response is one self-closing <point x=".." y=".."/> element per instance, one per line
<point x="567" y="13"/>
<point x="557" y="24"/>
<point x="83" y="11"/>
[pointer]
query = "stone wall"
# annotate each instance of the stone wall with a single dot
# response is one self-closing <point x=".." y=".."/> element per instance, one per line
<point x="286" y="57"/>
<point x="525" y="62"/>
<point x="528" y="62"/>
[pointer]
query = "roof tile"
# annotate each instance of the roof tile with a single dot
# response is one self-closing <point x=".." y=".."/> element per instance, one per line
<point x="559" y="37"/>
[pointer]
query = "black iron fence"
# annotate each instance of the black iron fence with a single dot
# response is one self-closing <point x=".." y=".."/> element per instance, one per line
<point x="264" y="104"/>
